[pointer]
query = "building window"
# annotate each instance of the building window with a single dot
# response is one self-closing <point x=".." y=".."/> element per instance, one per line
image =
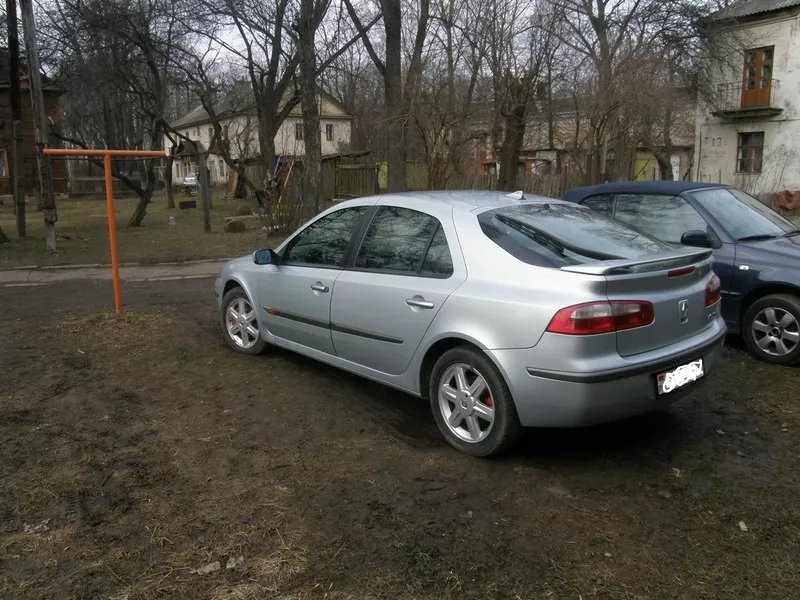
<point x="298" y="131"/>
<point x="750" y="152"/>
<point x="3" y="164"/>
<point x="197" y="132"/>
<point x="210" y="134"/>
<point x="221" y="165"/>
<point x="329" y="132"/>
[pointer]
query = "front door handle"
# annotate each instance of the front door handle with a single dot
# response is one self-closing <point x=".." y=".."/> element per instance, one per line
<point x="320" y="287"/>
<point x="417" y="302"/>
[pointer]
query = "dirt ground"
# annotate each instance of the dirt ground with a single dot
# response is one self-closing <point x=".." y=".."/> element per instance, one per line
<point x="139" y="450"/>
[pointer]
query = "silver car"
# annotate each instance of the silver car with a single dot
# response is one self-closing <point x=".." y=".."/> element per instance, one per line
<point x="505" y="312"/>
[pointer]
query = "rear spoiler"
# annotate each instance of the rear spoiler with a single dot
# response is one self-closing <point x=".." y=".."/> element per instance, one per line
<point x="672" y="259"/>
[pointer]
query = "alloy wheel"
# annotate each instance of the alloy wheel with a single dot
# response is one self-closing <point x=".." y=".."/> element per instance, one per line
<point x="776" y="331"/>
<point x="466" y="403"/>
<point x="241" y="323"/>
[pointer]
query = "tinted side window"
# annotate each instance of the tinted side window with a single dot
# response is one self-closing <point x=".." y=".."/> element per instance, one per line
<point x="397" y="240"/>
<point x="438" y="260"/>
<point x="665" y="217"/>
<point x="603" y="204"/>
<point x="324" y="243"/>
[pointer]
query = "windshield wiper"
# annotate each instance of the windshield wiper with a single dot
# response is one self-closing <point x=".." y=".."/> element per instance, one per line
<point x="792" y="233"/>
<point x="760" y="236"/>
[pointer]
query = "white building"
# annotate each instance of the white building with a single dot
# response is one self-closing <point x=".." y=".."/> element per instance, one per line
<point x="240" y="128"/>
<point x="749" y="134"/>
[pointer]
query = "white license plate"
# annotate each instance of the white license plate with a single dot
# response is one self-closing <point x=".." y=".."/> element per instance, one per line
<point x="680" y="376"/>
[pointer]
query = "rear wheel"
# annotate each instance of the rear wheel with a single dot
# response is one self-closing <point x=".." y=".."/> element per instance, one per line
<point x="771" y="328"/>
<point x="239" y="323"/>
<point x="471" y="403"/>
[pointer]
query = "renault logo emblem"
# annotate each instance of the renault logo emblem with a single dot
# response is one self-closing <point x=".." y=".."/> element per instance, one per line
<point x="683" y="311"/>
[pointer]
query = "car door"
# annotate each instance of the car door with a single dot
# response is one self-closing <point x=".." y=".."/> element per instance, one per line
<point x="402" y="274"/>
<point x="295" y="295"/>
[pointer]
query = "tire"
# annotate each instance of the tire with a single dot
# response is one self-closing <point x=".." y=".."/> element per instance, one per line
<point x="771" y="329"/>
<point x="246" y="326"/>
<point x="468" y="412"/>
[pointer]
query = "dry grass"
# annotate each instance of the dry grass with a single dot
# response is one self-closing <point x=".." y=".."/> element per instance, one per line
<point x="82" y="231"/>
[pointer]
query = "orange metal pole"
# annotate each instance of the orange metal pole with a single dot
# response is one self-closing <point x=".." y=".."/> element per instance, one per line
<point x="112" y="221"/>
<point x="112" y="232"/>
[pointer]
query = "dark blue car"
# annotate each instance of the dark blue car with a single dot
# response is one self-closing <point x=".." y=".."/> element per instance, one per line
<point x="756" y="251"/>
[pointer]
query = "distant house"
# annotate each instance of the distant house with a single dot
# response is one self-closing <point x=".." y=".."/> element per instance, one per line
<point x="51" y="95"/>
<point x="543" y="154"/>
<point x="748" y="133"/>
<point x="238" y="119"/>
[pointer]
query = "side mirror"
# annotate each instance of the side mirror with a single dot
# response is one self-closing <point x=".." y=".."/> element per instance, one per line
<point x="697" y="238"/>
<point x="266" y="256"/>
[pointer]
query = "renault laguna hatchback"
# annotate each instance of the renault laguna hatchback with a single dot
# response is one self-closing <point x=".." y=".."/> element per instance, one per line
<point x="503" y="311"/>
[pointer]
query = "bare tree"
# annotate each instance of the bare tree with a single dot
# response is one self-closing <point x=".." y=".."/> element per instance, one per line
<point x="399" y="92"/>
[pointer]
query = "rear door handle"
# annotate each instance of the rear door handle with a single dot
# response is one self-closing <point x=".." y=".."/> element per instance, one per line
<point x="417" y="303"/>
<point x="320" y="287"/>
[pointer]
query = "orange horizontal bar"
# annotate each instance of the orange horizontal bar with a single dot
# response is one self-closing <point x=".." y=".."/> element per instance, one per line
<point x="83" y="152"/>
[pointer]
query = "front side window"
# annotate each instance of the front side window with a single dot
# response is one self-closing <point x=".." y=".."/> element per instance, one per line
<point x="298" y="131"/>
<point x="664" y="217"/>
<point x="329" y="132"/>
<point x="556" y="235"/>
<point x="741" y="215"/>
<point x="324" y="242"/>
<point x="750" y="152"/>
<point x="404" y="241"/>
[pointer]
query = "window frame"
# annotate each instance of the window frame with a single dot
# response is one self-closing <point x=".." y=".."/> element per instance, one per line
<point x="418" y="273"/>
<point x="4" y="159"/>
<point x="328" y="132"/>
<point x="355" y="237"/>
<point x="298" y="132"/>
<point x="740" y="146"/>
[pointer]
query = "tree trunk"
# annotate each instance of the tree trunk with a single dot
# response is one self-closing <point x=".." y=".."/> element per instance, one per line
<point x="40" y="127"/>
<point x="312" y="164"/>
<point x="512" y="145"/>
<point x="393" y="87"/>
<point x="168" y="182"/>
<point x="205" y="190"/>
<point x="141" y="209"/>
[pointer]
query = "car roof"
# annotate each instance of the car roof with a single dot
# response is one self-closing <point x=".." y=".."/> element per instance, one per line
<point x="641" y="187"/>
<point x="461" y="200"/>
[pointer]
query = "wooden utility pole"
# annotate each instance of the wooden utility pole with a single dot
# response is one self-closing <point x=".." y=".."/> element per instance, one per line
<point x="40" y="126"/>
<point x="17" y="180"/>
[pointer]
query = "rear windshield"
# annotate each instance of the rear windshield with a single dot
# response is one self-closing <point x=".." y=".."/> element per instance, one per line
<point x="556" y="235"/>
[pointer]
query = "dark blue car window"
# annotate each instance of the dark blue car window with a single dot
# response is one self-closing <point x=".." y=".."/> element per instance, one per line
<point x="741" y="215"/>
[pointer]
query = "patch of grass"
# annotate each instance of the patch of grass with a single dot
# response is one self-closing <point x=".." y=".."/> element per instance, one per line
<point x="82" y="233"/>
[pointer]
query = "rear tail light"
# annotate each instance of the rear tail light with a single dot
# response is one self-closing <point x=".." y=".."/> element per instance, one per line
<point x="602" y="317"/>
<point x="713" y="292"/>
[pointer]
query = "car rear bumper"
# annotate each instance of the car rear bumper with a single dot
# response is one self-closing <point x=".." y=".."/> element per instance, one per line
<point x="579" y="399"/>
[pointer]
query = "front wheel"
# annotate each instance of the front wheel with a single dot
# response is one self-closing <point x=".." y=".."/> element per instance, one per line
<point x="472" y="404"/>
<point x="239" y="323"/>
<point x="771" y="328"/>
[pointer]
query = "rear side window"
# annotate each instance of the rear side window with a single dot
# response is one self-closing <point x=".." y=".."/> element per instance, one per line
<point x="603" y="204"/>
<point x="557" y="235"/>
<point x="665" y="217"/>
<point x="405" y="241"/>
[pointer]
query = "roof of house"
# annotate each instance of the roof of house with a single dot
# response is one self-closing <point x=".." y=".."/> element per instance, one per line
<point x="751" y="8"/>
<point x="5" y="74"/>
<point x="238" y="102"/>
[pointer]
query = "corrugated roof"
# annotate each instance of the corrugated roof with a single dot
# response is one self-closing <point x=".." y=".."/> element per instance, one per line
<point x="749" y="8"/>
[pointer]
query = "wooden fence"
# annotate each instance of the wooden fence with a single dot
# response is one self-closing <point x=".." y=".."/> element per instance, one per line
<point x="353" y="181"/>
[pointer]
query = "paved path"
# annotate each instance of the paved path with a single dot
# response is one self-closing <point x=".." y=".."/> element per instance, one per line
<point x="34" y="277"/>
